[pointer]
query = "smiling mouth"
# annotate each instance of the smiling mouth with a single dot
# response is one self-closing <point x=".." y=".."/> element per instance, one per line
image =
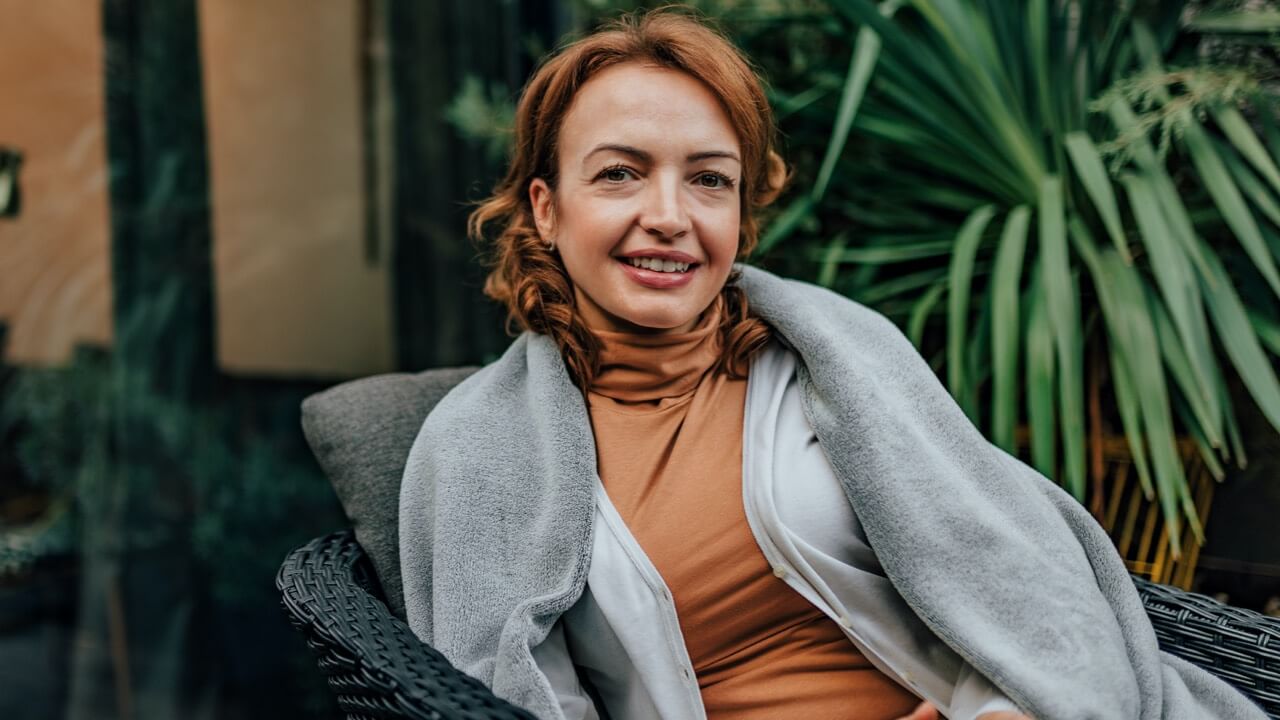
<point x="659" y="265"/>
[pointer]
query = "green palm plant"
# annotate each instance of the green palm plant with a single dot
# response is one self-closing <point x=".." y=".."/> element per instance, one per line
<point x="1046" y="175"/>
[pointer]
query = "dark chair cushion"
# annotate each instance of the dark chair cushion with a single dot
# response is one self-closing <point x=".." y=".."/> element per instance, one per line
<point x="361" y="432"/>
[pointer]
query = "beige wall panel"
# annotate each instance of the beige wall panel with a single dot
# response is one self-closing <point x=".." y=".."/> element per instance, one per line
<point x="294" y="292"/>
<point x="55" y="259"/>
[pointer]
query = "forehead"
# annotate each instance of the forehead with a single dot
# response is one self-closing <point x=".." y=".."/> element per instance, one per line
<point x="634" y="103"/>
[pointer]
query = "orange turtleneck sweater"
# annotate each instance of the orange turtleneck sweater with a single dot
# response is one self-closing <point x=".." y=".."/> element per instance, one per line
<point x="668" y="433"/>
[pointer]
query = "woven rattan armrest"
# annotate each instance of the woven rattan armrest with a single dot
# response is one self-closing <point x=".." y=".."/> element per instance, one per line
<point x="375" y="665"/>
<point x="378" y="668"/>
<point x="1239" y="646"/>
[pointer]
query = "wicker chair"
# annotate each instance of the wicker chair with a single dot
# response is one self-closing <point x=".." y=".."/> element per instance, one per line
<point x="338" y="591"/>
<point x="377" y="668"/>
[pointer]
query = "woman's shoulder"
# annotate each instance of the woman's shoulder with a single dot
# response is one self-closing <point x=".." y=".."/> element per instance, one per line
<point x="529" y="377"/>
<point x="800" y="311"/>
<point x="488" y="383"/>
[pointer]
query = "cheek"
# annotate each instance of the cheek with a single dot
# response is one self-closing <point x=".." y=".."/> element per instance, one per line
<point x="593" y="224"/>
<point x="586" y="237"/>
<point x="721" y="234"/>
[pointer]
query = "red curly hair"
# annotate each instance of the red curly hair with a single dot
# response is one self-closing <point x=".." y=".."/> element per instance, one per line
<point x="529" y="278"/>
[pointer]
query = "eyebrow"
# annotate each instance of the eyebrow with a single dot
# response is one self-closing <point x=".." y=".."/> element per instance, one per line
<point x="643" y="156"/>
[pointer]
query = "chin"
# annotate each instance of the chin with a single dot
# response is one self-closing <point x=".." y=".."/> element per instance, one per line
<point x="659" y="320"/>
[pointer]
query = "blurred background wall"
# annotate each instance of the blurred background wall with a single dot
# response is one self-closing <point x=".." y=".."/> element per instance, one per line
<point x="225" y="206"/>
<point x="56" y="288"/>
<point x="301" y="267"/>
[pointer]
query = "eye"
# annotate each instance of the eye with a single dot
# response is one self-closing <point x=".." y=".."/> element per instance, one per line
<point x="616" y="174"/>
<point x="714" y="181"/>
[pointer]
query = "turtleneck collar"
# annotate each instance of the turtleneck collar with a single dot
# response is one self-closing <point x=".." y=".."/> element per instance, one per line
<point x="648" y="368"/>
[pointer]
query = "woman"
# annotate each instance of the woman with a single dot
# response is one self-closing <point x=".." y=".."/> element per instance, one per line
<point x="663" y="500"/>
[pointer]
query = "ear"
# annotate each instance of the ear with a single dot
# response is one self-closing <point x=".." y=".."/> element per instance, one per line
<point x="543" y="203"/>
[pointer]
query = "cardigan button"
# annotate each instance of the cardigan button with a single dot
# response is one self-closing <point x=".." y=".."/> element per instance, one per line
<point x="779" y="571"/>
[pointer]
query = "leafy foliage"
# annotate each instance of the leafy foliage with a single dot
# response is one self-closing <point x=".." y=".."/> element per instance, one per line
<point x="239" y="493"/>
<point x="483" y="117"/>
<point x="1056" y="177"/>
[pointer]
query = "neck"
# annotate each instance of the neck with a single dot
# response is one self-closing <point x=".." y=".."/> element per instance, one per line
<point x="645" y="367"/>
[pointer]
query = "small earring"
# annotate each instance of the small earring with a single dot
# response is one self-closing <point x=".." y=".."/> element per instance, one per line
<point x="551" y="244"/>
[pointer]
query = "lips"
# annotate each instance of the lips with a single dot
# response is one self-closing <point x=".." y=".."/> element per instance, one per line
<point x="657" y="279"/>
<point x="672" y="255"/>
<point x="659" y="265"/>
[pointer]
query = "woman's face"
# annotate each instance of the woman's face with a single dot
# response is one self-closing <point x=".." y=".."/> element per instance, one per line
<point x="646" y="212"/>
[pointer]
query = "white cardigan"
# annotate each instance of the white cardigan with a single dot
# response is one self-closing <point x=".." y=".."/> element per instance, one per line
<point x="623" y="633"/>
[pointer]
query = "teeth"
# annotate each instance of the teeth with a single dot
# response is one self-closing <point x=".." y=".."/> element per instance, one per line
<point x="659" y="265"/>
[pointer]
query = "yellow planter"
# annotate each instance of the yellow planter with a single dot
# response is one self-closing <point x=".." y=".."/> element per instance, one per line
<point x="1135" y="523"/>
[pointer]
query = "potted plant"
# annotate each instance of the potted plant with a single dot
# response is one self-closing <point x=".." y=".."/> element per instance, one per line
<point x="1052" y="181"/>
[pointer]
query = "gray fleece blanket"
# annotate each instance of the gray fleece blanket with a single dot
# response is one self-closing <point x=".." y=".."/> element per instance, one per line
<point x="496" y="513"/>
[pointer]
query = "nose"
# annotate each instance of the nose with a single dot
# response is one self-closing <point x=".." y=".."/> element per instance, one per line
<point x="664" y="213"/>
